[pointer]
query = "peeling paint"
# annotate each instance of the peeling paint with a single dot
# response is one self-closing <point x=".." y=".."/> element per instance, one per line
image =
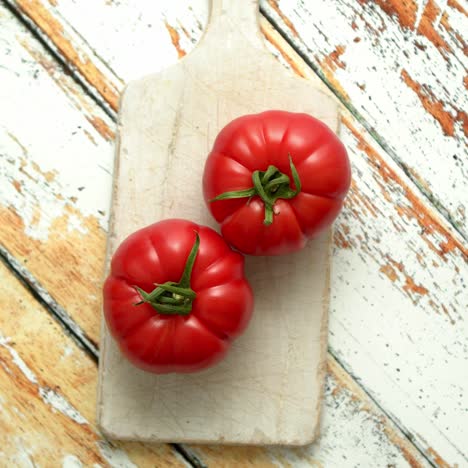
<point x="49" y="25"/>
<point x="416" y="209"/>
<point x="175" y="38"/>
<point x="440" y="462"/>
<point x="412" y="288"/>
<point x="447" y="120"/>
<point x="457" y="6"/>
<point x="345" y="391"/>
<point x="372" y="84"/>
<point x="16" y="359"/>
<point x="273" y="39"/>
<point x="37" y="149"/>
<point x="113" y="455"/>
<point x="72" y="92"/>
<point x="333" y="60"/>
<point x="56" y="401"/>
<point x="405" y="12"/>
<point x="71" y="461"/>
<point x="340" y="240"/>
<point x="275" y="6"/>
<point x="17" y="186"/>
<point x="370" y="237"/>
<point x="428" y="28"/>
<point x="390" y="272"/>
<point x="60" y="404"/>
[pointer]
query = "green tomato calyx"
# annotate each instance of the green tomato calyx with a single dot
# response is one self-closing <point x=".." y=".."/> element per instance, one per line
<point x="269" y="185"/>
<point x="173" y="298"/>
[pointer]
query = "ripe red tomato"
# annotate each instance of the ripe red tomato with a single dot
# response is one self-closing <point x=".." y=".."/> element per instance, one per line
<point x="176" y="296"/>
<point x="275" y="179"/>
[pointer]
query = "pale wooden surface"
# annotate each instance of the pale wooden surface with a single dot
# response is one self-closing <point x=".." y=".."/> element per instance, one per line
<point x="167" y="125"/>
<point x="396" y="394"/>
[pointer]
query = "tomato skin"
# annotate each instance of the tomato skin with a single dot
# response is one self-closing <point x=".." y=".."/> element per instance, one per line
<point x="220" y="312"/>
<point x="254" y="142"/>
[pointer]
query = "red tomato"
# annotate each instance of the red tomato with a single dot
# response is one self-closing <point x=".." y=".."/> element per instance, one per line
<point x="275" y="179"/>
<point x="176" y="296"/>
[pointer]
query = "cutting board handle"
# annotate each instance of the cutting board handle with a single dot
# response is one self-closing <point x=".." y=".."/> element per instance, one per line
<point x="236" y="20"/>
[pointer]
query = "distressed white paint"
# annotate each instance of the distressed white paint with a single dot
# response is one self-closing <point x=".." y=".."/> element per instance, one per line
<point x="387" y="302"/>
<point x="442" y="4"/>
<point x="122" y="32"/>
<point x="167" y="123"/>
<point x="48" y="139"/>
<point x="24" y="454"/>
<point x="53" y="399"/>
<point x="387" y="316"/>
<point x="387" y="104"/>
<point x="60" y="404"/>
<point x="407" y="342"/>
<point x="360" y="443"/>
<point x="71" y="461"/>
<point x="117" y="31"/>
<point x="116" y="457"/>
<point x="67" y="351"/>
<point x="22" y="366"/>
<point x="409" y="354"/>
<point x="420" y="12"/>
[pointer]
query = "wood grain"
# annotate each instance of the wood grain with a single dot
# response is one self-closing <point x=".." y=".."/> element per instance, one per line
<point x="390" y="212"/>
<point x="355" y="444"/>
<point x="47" y="394"/>
<point x="53" y="248"/>
<point x="407" y="59"/>
<point x="401" y="67"/>
<point x="426" y="258"/>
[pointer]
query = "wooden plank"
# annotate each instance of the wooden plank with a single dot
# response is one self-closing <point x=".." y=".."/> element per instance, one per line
<point x="47" y="394"/>
<point x="401" y="66"/>
<point x="64" y="247"/>
<point x="420" y="241"/>
<point x="60" y="207"/>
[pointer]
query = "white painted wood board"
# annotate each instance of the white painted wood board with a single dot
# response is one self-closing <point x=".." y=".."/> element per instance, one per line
<point x="268" y="390"/>
<point x="348" y="412"/>
<point x="364" y="243"/>
<point x="401" y="66"/>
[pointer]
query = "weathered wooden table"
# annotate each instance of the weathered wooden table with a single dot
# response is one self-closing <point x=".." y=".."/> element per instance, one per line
<point x="397" y="386"/>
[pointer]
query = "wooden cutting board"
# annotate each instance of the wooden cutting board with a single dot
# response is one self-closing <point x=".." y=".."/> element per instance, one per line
<point x="268" y="390"/>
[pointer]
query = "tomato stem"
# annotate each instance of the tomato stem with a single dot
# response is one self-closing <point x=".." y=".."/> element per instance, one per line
<point x="172" y="298"/>
<point x="269" y="185"/>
